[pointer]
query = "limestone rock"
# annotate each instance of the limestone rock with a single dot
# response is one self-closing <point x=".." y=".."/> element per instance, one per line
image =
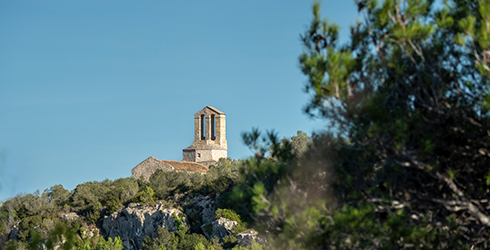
<point x="135" y="222"/>
<point x="219" y="228"/>
<point x="91" y="231"/>
<point x="245" y="239"/>
<point x="204" y="206"/>
<point x="69" y="217"/>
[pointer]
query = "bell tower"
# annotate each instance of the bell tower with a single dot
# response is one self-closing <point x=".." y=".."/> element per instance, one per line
<point x="209" y="137"/>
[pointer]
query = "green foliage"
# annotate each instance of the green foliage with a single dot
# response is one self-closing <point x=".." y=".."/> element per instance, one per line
<point x="166" y="182"/>
<point x="113" y="206"/>
<point x="27" y="224"/>
<point x="163" y="240"/>
<point x="190" y="241"/>
<point x="147" y="195"/>
<point x="201" y="246"/>
<point x="217" y="180"/>
<point x="61" y="235"/>
<point x="93" y="215"/>
<point x="254" y="246"/>
<point x="300" y="143"/>
<point x="410" y="93"/>
<point x="90" y="193"/>
<point x="219" y="185"/>
<point x="109" y="244"/>
<point x="58" y="196"/>
<point x="229" y="241"/>
<point x="178" y="221"/>
<point x="227" y="214"/>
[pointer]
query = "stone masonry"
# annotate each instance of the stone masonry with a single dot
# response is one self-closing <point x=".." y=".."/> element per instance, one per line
<point x="209" y="137"/>
<point x="208" y="147"/>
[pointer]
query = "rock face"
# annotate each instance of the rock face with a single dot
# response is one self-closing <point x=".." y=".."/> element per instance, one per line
<point x="136" y="222"/>
<point x="204" y="206"/>
<point x="14" y="232"/>
<point x="245" y="239"/>
<point x="219" y="228"/>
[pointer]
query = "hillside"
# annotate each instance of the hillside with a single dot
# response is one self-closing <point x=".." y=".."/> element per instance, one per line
<point x="179" y="202"/>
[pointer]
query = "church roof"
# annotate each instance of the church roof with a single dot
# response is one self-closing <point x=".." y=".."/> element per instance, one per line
<point x="186" y="166"/>
<point x="147" y="167"/>
<point x="215" y="110"/>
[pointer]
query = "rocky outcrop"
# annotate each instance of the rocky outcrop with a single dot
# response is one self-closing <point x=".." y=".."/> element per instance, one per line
<point x="69" y="217"/>
<point x="135" y="222"/>
<point x="203" y="206"/>
<point x="91" y="231"/>
<point x="219" y="228"/>
<point x="245" y="239"/>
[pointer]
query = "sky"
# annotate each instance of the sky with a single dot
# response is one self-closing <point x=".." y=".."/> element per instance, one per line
<point x="89" y="89"/>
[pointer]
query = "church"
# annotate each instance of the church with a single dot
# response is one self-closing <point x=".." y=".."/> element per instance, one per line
<point x="208" y="147"/>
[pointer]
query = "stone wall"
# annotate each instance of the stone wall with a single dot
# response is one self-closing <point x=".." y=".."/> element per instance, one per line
<point x="147" y="167"/>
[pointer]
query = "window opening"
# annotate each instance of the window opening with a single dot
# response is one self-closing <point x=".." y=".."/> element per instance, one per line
<point x="203" y="127"/>
<point x="213" y="127"/>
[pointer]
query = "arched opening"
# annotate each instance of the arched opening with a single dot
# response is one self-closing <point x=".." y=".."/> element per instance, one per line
<point x="213" y="127"/>
<point x="203" y="127"/>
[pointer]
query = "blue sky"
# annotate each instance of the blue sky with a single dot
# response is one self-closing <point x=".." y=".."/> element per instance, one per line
<point x="88" y="89"/>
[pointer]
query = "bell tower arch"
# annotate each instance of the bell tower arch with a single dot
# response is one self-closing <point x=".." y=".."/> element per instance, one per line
<point x="209" y="143"/>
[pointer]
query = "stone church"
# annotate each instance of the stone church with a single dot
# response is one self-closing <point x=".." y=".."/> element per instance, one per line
<point x="208" y="147"/>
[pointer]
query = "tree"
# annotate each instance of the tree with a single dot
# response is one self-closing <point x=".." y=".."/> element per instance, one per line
<point x="411" y="94"/>
<point x="58" y="195"/>
<point x="299" y="143"/>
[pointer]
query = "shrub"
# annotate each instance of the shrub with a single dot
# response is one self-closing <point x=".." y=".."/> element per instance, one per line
<point x="229" y="241"/>
<point x="163" y="240"/>
<point x="109" y="244"/>
<point x="178" y="221"/>
<point x="227" y="214"/>
<point x="147" y="195"/>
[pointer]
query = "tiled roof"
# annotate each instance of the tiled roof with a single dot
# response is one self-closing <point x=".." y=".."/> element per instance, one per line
<point x="186" y="166"/>
<point x="147" y="167"/>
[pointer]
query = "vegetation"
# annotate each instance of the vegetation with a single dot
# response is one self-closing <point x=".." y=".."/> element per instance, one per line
<point x="404" y="165"/>
<point x="38" y="217"/>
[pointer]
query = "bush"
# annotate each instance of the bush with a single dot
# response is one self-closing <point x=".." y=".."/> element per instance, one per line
<point x="190" y="241"/>
<point x="112" y="206"/>
<point x="147" y="195"/>
<point x="163" y="239"/>
<point x="227" y="214"/>
<point x="58" y="195"/>
<point x="109" y="244"/>
<point x="178" y="220"/>
<point x="219" y="185"/>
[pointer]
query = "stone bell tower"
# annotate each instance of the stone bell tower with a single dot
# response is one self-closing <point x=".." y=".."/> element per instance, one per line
<point x="209" y="137"/>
